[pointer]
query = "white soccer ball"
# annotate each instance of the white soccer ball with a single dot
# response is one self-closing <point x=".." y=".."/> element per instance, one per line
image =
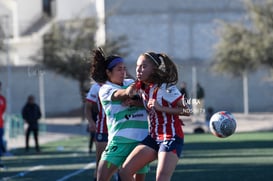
<point x="222" y="124"/>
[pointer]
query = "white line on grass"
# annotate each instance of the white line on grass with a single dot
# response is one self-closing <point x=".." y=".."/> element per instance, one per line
<point x="90" y="165"/>
<point x="22" y="174"/>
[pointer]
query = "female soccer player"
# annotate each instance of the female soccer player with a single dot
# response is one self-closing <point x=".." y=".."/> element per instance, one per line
<point x="126" y="118"/>
<point x="157" y="77"/>
<point x="95" y="114"/>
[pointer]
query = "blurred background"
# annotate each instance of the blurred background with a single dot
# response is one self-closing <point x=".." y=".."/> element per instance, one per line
<point x="45" y="48"/>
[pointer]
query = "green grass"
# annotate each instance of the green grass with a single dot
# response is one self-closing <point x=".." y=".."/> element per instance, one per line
<point x="242" y="156"/>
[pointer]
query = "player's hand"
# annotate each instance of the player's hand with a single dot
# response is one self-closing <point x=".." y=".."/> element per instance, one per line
<point x="152" y="103"/>
<point x="131" y="90"/>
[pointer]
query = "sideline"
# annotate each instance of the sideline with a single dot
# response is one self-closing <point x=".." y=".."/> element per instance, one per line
<point x="88" y="166"/>
<point x="22" y="174"/>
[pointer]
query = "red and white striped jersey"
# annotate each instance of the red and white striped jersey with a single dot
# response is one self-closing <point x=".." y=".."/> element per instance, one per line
<point x="3" y="106"/>
<point x="93" y="97"/>
<point x="163" y="126"/>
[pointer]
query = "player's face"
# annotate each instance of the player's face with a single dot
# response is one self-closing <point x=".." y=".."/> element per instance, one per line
<point x="144" y="68"/>
<point x="117" y="74"/>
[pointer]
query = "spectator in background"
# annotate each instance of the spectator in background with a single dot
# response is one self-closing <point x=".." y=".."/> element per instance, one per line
<point x="209" y="114"/>
<point x="31" y="114"/>
<point x="200" y="95"/>
<point x="2" y="111"/>
<point x="183" y="90"/>
<point x="200" y="91"/>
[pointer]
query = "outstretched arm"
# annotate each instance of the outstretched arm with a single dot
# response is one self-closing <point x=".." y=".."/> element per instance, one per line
<point x="120" y="95"/>
<point x="123" y="94"/>
<point x="181" y="109"/>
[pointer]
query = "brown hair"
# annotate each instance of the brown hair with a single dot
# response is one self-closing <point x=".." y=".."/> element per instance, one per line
<point x="165" y="70"/>
<point x="100" y="64"/>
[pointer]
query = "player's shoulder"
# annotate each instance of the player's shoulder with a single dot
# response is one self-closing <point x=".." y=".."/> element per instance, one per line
<point x="127" y="82"/>
<point x="96" y="85"/>
<point x="169" y="88"/>
<point x="107" y="88"/>
<point x="94" y="88"/>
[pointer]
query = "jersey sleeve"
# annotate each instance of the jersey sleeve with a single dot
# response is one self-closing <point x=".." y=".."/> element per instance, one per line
<point x="128" y="82"/>
<point x="92" y="95"/>
<point x="171" y="94"/>
<point x="106" y="92"/>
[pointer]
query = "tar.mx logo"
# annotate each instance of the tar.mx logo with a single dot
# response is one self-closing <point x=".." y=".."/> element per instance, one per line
<point x="191" y="101"/>
<point x="35" y="70"/>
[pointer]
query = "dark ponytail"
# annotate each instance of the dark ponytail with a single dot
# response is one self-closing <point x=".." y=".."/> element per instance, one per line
<point x="100" y="64"/>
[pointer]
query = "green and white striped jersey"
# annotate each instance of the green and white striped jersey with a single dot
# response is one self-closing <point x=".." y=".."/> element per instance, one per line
<point x="125" y="124"/>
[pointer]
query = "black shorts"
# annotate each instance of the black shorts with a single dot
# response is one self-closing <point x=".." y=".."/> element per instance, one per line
<point x="101" y="137"/>
<point x="175" y="145"/>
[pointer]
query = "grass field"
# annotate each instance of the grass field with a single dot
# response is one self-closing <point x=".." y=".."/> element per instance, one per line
<point x="241" y="157"/>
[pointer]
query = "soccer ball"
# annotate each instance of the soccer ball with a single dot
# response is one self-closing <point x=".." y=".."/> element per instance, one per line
<point x="222" y="124"/>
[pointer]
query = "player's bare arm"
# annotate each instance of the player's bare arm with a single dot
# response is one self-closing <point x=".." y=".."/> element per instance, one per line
<point x="179" y="110"/>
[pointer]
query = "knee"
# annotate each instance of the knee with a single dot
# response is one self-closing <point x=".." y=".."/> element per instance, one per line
<point x="121" y="174"/>
<point x="101" y="176"/>
<point x="125" y="173"/>
<point x="163" y="175"/>
<point x="104" y="174"/>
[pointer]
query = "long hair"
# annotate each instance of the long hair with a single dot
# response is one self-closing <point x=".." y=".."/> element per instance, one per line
<point x="165" y="70"/>
<point x="100" y="64"/>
